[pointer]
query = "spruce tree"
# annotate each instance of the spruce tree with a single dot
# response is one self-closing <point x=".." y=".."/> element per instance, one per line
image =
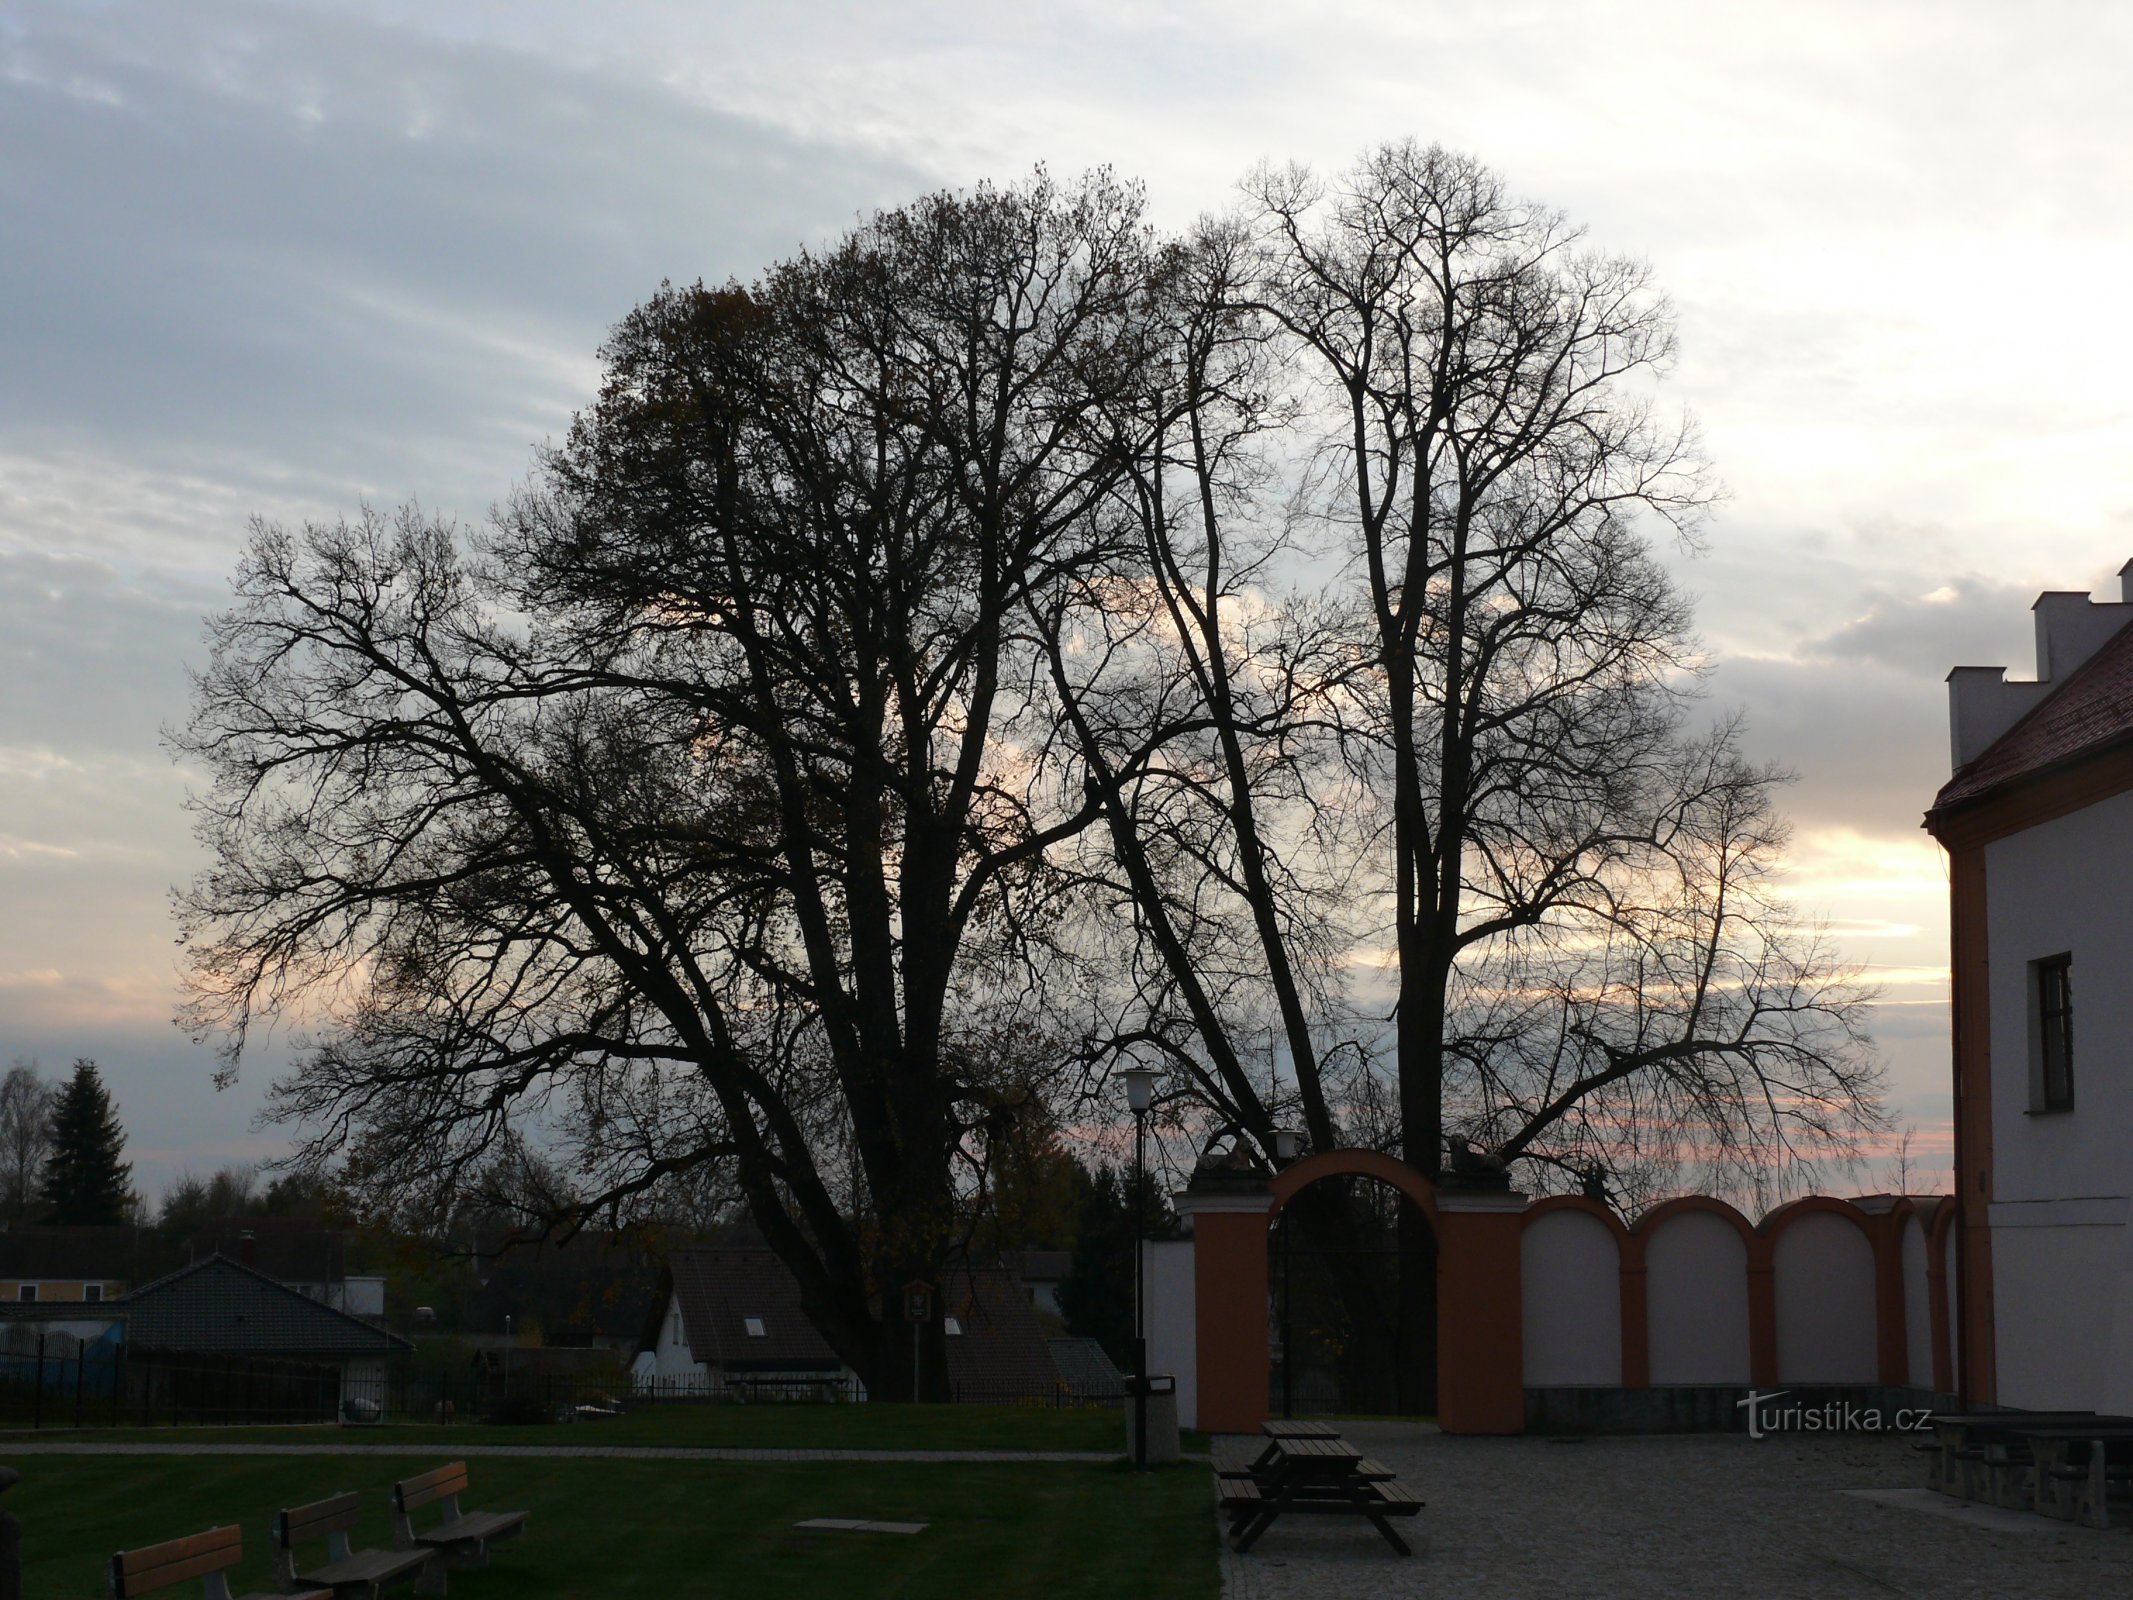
<point x="84" y="1180"/>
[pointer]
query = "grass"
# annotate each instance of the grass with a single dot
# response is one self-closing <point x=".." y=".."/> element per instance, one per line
<point x="621" y="1528"/>
<point x="757" y="1427"/>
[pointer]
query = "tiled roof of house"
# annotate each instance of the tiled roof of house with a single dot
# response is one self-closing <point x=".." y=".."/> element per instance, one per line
<point x="721" y="1290"/>
<point x="221" y="1306"/>
<point x="2090" y="711"/>
<point x="1000" y="1351"/>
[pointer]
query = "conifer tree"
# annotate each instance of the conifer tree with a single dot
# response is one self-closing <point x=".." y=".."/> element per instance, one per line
<point x="84" y="1180"/>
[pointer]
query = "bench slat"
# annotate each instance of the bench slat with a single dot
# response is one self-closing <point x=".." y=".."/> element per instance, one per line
<point x="159" y="1566"/>
<point x="302" y="1524"/>
<point x="368" y="1566"/>
<point x="430" y="1487"/>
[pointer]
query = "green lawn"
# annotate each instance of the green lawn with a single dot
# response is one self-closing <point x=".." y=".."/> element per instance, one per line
<point x="619" y="1528"/>
<point x="757" y="1427"/>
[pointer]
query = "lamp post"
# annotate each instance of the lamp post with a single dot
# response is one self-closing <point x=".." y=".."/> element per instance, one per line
<point x="1288" y="1144"/>
<point x="1140" y="1096"/>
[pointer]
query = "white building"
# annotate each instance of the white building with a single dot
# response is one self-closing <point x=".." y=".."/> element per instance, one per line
<point x="2038" y="824"/>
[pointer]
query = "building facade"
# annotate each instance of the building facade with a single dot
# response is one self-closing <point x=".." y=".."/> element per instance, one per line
<point x="2037" y="822"/>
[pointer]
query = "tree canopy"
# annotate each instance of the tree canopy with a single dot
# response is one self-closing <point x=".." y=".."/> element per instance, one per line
<point x="1005" y="643"/>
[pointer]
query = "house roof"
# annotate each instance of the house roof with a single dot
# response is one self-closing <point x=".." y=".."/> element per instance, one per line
<point x="1001" y="1351"/>
<point x="221" y="1306"/>
<point x="721" y="1290"/>
<point x="2088" y="713"/>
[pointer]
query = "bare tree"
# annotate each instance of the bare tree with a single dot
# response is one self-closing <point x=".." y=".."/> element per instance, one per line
<point x="25" y="1138"/>
<point x="1463" y="767"/>
<point x="708" y="807"/>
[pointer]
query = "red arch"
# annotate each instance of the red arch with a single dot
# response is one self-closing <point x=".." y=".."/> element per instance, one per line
<point x="1300" y="1175"/>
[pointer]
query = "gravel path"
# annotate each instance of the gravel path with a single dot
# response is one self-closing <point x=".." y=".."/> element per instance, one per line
<point x="1693" y="1517"/>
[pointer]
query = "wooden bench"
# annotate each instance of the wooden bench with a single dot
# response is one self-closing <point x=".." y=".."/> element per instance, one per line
<point x="463" y="1536"/>
<point x="358" y="1572"/>
<point x="207" y="1556"/>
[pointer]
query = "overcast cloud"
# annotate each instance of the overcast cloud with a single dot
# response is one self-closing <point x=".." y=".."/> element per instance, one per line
<point x="278" y="258"/>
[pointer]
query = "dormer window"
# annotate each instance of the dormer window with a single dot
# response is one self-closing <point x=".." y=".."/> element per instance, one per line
<point x="754" y="1325"/>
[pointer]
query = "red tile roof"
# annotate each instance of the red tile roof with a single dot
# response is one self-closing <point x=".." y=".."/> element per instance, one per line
<point x="2090" y="711"/>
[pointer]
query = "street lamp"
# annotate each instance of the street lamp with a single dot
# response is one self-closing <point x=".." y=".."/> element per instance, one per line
<point x="1140" y="1097"/>
<point x="1288" y="1144"/>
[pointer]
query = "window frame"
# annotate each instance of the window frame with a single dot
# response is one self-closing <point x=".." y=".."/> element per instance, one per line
<point x="2051" y="1034"/>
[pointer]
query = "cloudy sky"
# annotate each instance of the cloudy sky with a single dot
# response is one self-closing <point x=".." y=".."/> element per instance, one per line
<point x="274" y="259"/>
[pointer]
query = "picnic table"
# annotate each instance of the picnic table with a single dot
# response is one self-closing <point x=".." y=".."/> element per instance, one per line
<point x="2074" y="1464"/>
<point x="1315" y="1472"/>
<point x="1978" y="1455"/>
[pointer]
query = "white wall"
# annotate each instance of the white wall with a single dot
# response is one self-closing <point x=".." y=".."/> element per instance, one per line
<point x="1572" y="1286"/>
<point x="1696" y="1300"/>
<point x="1917" y="1304"/>
<point x="2061" y="1180"/>
<point x="1173" y="1330"/>
<point x="2054" y="1290"/>
<point x="672" y="1360"/>
<point x="1824" y="1270"/>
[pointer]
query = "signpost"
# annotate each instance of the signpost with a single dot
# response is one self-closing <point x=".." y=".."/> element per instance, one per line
<point x="918" y="1311"/>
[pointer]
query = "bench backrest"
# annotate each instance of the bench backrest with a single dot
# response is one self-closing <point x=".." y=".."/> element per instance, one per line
<point x="412" y="1494"/>
<point x="159" y="1566"/>
<point x="302" y="1524"/>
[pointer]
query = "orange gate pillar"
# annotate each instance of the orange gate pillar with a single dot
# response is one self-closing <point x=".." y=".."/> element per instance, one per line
<point x="1229" y="1304"/>
<point x="1481" y="1378"/>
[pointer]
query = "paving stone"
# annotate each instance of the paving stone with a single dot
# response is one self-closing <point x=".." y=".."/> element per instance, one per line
<point x="1683" y="1517"/>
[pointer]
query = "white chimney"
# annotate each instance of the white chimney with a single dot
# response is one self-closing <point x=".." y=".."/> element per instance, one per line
<point x="2071" y="627"/>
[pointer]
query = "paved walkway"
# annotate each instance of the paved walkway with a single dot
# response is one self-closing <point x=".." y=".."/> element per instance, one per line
<point x="1692" y="1517"/>
<point x="646" y="1452"/>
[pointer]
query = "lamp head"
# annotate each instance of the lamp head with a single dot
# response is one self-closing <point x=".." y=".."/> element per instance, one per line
<point x="1140" y="1087"/>
<point x="1288" y="1145"/>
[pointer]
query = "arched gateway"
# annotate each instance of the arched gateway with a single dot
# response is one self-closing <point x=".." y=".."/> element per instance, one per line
<point x="1479" y="1383"/>
<point x="1664" y="1321"/>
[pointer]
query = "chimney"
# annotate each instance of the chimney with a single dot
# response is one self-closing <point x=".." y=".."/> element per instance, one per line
<point x="2071" y="627"/>
<point x="248" y="1249"/>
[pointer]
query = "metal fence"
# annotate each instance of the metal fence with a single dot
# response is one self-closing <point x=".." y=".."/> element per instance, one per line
<point x="51" y="1379"/>
<point x="534" y="1397"/>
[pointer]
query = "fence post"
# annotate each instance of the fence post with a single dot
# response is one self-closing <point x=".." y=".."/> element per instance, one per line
<point x="37" y="1392"/>
<point x="81" y="1368"/>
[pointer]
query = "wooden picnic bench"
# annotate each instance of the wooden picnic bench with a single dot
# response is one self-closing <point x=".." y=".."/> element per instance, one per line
<point x="463" y="1537"/>
<point x="1316" y="1476"/>
<point x="358" y="1572"/>
<point x="2075" y="1464"/>
<point x="207" y="1556"/>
